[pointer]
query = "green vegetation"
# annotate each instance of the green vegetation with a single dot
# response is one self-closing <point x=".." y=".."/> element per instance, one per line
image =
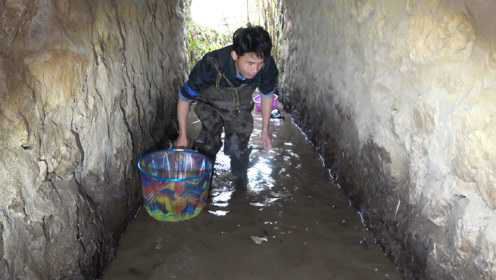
<point x="202" y="40"/>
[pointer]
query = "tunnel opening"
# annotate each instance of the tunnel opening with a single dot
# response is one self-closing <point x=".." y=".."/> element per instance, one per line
<point x="210" y="26"/>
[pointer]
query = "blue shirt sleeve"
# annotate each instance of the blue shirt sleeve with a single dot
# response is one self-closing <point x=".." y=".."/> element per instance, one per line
<point x="201" y="76"/>
<point x="187" y="92"/>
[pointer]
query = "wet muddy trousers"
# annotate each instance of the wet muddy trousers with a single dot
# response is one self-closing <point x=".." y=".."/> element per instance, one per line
<point x="228" y="109"/>
<point x="237" y="135"/>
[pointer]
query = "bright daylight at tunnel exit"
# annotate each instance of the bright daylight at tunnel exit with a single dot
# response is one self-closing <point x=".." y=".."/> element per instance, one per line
<point x="247" y="139"/>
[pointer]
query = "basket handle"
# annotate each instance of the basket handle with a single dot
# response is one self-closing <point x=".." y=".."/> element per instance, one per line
<point x="180" y="148"/>
<point x="184" y="149"/>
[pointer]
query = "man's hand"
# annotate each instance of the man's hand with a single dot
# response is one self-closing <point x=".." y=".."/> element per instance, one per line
<point x="267" y="140"/>
<point x="181" y="142"/>
<point x="266" y="132"/>
<point x="182" y="117"/>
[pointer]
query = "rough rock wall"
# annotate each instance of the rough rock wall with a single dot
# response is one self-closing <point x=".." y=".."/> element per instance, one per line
<point x="400" y="98"/>
<point x="85" y="87"/>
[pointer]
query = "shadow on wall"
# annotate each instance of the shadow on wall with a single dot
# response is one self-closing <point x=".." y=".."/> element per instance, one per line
<point x="86" y="87"/>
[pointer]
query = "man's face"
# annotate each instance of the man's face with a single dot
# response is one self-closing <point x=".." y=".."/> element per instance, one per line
<point x="248" y="64"/>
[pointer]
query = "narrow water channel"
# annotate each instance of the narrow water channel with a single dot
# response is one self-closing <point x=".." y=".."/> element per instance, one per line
<point x="293" y="222"/>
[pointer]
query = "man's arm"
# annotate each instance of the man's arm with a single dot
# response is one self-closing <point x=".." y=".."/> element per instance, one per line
<point x="200" y="76"/>
<point x="266" y="111"/>
<point x="267" y="87"/>
<point x="182" y="118"/>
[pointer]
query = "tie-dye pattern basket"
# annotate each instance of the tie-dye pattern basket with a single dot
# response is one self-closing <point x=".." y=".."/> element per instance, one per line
<point x="175" y="183"/>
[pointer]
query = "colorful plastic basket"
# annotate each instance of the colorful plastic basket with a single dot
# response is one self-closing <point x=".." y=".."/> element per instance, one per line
<point x="175" y="183"/>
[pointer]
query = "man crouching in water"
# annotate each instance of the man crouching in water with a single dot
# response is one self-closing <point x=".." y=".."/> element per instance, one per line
<point x="222" y="84"/>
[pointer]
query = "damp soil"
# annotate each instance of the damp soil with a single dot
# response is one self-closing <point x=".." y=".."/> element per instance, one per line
<point x="292" y="222"/>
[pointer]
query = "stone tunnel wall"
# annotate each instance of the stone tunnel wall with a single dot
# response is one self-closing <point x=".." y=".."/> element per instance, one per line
<point x="400" y="98"/>
<point x="83" y="85"/>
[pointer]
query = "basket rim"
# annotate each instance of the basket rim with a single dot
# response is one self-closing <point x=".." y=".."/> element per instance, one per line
<point x="162" y="179"/>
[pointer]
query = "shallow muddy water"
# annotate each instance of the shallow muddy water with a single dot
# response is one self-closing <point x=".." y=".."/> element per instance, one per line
<point x="292" y="222"/>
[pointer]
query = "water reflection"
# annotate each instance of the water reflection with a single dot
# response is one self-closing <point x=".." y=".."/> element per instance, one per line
<point x="218" y="212"/>
<point x="264" y="167"/>
<point x="290" y="213"/>
<point x="260" y="175"/>
<point x="266" y="202"/>
<point x="220" y="196"/>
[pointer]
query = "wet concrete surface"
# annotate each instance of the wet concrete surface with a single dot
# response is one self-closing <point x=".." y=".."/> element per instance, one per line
<point x="292" y="222"/>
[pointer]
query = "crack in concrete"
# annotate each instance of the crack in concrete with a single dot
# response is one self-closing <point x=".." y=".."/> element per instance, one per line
<point x="128" y="127"/>
<point x="125" y="64"/>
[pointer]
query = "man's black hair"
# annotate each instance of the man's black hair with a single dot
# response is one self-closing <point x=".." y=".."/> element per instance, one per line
<point x="252" y="39"/>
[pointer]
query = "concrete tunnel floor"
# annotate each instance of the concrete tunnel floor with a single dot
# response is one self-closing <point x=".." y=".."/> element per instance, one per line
<point x="293" y="222"/>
